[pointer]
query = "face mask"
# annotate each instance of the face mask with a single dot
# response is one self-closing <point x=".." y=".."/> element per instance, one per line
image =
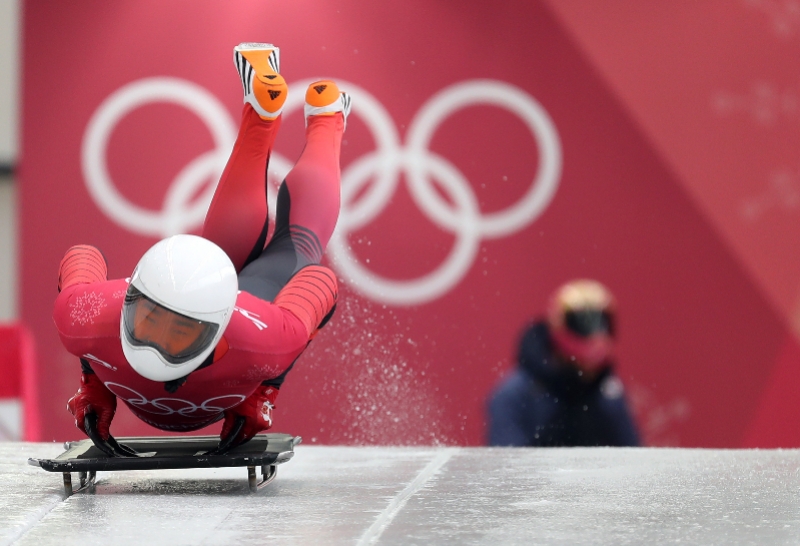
<point x="589" y="353"/>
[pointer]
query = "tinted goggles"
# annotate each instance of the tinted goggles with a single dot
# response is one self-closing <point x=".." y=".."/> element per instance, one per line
<point x="588" y="322"/>
<point x="177" y="337"/>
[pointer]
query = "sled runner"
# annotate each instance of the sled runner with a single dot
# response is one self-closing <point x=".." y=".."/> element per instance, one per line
<point x="87" y="457"/>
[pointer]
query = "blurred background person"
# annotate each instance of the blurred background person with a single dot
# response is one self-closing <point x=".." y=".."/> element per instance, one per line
<point x="564" y="391"/>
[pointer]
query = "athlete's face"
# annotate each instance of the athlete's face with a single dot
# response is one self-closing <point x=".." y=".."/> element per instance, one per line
<point x="173" y="332"/>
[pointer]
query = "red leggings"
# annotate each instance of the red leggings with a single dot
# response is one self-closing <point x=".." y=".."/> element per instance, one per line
<point x="307" y="207"/>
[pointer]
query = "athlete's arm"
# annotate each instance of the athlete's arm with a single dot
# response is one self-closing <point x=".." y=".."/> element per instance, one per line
<point x="92" y="397"/>
<point x="311" y="296"/>
<point x="276" y="332"/>
<point x="308" y="298"/>
<point x="82" y="264"/>
<point x="76" y="309"/>
<point x="88" y="305"/>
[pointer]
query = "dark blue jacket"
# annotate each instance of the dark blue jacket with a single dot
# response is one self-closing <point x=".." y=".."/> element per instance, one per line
<point x="544" y="403"/>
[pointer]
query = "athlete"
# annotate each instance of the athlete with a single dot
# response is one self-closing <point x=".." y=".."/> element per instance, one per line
<point x="206" y="328"/>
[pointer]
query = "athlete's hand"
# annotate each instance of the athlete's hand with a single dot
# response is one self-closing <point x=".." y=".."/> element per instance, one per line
<point x="256" y="410"/>
<point x="93" y="397"/>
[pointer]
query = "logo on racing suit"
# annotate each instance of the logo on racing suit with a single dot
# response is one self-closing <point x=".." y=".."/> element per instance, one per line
<point x="175" y="406"/>
<point x="252" y="317"/>
<point x="96" y="360"/>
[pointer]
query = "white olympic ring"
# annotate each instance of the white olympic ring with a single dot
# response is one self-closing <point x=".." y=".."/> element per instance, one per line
<point x="161" y="406"/>
<point x="381" y="169"/>
<point x="177" y="216"/>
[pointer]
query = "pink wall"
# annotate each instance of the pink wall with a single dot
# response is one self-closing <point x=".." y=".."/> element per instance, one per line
<point x="562" y="143"/>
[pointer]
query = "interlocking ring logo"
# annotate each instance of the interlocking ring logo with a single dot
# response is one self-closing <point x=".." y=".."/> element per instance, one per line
<point x="381" y="169"/>
<point x="172" y="406"/>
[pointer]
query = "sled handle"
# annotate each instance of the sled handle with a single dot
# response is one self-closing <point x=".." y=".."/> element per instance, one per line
<point x="226" y="443"/>
<point x="110" y="447"/>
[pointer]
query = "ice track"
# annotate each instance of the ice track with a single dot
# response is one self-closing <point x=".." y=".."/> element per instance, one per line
<point x="372" y="495"/>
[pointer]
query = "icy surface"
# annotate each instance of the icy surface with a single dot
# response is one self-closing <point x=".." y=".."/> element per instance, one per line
<point x="372" y="495"/>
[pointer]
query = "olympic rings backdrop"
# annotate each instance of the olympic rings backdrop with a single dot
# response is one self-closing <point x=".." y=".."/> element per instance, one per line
<point x="488" y="158"/>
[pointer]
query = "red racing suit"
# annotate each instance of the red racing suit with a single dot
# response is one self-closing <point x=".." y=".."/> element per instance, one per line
<point x="261" y="341"/>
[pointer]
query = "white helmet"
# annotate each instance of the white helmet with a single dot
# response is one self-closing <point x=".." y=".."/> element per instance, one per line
<point x="179" y="301"/>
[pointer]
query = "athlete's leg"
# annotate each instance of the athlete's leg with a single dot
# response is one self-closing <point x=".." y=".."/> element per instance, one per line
<point x="237" y="217"/>
<point x="308" y="200"/>
<point x="311" y="191"/>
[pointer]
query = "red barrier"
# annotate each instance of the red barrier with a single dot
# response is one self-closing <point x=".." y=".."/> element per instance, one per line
<point x="19" y="387"/>
<point x="10" y="362"/>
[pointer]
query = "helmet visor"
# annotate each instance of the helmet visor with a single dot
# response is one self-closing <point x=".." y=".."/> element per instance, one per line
<point x="177" y="337"/>
<point x="588" y="322"/>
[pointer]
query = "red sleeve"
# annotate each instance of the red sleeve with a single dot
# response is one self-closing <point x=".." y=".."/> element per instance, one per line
<point x="85" y="312"/>
<point x="310" y="295"/>
<point x="274" y="337"/>
<point x="82" y="264"/>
